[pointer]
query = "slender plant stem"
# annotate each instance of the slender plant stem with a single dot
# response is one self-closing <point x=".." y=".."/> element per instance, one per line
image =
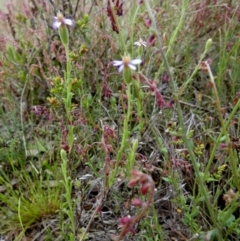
<point x="68" y="100"/>
<point x="68" y="83"/>
<point x="174" y="34"/>
<point x="132" y="24"/>
<point x="67" y="183"/>
<point x="125" y="133"/>
<point x="196" y="69"/>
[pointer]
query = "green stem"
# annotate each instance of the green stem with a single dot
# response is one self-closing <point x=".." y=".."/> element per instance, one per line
<point x="174" y="34"/>
<point x="138" y="94"/>
<point x="68" y="83"/>
<point x="67" y="183"/>
<point x="180" y="23"/>
<point x="68" y="103"/>
<point x="132" y="24"/>
<point x="185" y="84"/>
<point x="125" y="134"/>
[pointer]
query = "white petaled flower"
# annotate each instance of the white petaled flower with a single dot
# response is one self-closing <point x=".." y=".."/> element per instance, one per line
<point x="60" y="20"/>
<point x="140" y="43"/>
<point x="126" y="62"/>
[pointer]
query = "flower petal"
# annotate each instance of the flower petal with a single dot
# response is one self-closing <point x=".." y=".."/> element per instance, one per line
<point x="120" y="68"/>
<point x="68" y="21"/>
<point x="136" y="61"/>
<point x="137" y="44"/>
<point x="117" y="62"/>
<point x="56" y="24"/>
<point x="131" y="66"/>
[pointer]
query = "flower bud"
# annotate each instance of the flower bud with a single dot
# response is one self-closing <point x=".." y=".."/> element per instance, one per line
<point x="208" y="44"/>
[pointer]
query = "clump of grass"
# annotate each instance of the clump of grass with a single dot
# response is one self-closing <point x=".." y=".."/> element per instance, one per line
<point x="27" y="201"/>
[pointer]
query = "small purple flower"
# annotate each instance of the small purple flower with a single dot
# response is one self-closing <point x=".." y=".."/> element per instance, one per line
<point x="126" y="62"/>
<point x="60" y="20"/>
<point x="151" y="40"/>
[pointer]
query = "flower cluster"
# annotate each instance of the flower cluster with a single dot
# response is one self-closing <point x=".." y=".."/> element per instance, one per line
<point x="128" y="223"/>
<point x="159" y="98"/>
<point x="109" y="134"/>
<point x="146" y="184"/>
<point x="178" y="163"/>
<point x="42" y="112"/>
<point x="145" y="181"/>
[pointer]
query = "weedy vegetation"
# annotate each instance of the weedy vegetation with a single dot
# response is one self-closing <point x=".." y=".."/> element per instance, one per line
<point x="120" y="120"/>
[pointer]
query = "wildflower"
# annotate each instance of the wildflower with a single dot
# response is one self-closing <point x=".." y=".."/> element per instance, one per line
<point x="151" y="40"/>
<point x="140" y="43"/>
<point x="61" y="21"/>
<point x="145" y="188"/>
<point x="126" y="62"/>
<point x="160" y="101"/>
<point x="137" y="202"/>
<point x="165" y="78"/>
<point x="125" y="220"/>
<point x="127" y="224"/>
<point x="147" y="22"/>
